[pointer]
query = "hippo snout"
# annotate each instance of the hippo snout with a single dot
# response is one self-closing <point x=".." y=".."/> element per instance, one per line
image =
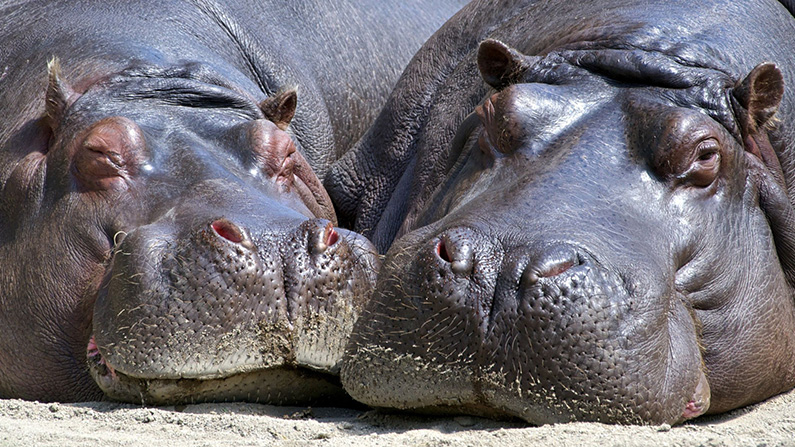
<point x="320" y="235"/>
<point x="228" y="308"/>
<point x="509" y="326"/>
<point x="457" y="248"/>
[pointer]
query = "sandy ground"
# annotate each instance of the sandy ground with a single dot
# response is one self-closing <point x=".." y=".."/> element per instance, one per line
<point x="110" y="424"/>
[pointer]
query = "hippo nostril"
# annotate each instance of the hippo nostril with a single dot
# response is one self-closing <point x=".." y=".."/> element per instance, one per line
<point x="554" y="261"/>
<point x="455" y="248"/>
<point x="556" y="269"/>
<point x="330" y="236"/>
<point x="441" y="251"/>
<point x="461" y="267"/>
<point x="227" y="230"/>
<point x="325" y="238"/>
<point x="530" y="277"/>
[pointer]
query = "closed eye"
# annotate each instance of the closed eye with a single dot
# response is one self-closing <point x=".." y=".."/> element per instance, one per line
<point x="705" y="167"/>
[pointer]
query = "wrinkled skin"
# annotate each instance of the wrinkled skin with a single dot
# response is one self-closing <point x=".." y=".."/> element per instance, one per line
<point x="591" y="217"/>
<point x="164" y="235"/>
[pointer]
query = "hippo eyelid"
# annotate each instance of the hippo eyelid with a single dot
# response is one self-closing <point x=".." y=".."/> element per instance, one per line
<point x="689" y="146"/>
<point x="486" y="144"/>
<point x="485" y="113"/>
<point x="286" y="173"/>
<point x="704" y="164"/>
<point x="109" y="153"/>
<point x="112" y="156"/>
<point x="707" y="151"/>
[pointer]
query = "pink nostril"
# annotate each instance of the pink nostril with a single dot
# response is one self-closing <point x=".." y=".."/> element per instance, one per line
<point x="331" y="236"/>
<point x="551" y="261"/>
<point x="455" y="248"/>
<point x="441" y="250"/>
<point x="92" y="350"/>
<point x="557" y="269"/>
<point x="321" y="240"/>
<point x="227" y="230"/>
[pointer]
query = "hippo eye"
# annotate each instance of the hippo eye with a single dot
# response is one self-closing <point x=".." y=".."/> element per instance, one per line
<point x="274" y="151"/>
<point x="485" y="144"/>
<point x="286" y="174"/>
<point x="485" y="113"/>
<point x="706" y="164"/>
<point x="110" y="152"/>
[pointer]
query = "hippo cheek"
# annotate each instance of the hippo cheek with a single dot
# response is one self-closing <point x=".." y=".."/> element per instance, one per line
<point x="222" y="314"/>
<point x="462" y="323"/>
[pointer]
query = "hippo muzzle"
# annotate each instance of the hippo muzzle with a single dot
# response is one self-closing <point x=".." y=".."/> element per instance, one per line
<point x="226" y="311"/>
<point x="543" y="331"/>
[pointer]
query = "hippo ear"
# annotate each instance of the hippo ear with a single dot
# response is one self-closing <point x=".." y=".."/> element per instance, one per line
<point x="501" y="65"/>
<point x="58" y="95"/>
<point x="760" y="94"/>
<point x="280" y="108"/>
<point x="757" y="98"/>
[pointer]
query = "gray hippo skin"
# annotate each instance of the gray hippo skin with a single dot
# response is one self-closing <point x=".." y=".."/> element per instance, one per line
<point x="600" y="231"/>
<point x="161" y="226"/>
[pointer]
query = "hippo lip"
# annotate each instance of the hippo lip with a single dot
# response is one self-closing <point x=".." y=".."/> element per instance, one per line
<point x="271" y="385"/>
<point x="699" y="403"/>
<point x="97" y="362"/>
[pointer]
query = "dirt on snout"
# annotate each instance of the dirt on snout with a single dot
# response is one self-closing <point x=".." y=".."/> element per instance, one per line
<point x="106" y="424"/>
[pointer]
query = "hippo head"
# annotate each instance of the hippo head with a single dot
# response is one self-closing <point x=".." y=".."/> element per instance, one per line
<point x="607" y="245"/>
<point x="191" y="252"/>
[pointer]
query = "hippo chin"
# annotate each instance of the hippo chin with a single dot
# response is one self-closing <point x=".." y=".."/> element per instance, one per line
<point x="164" y="233"/>
<point x="600" y="231"/>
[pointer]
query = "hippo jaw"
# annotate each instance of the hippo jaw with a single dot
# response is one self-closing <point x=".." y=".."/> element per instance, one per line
<point x="273" y="386"/>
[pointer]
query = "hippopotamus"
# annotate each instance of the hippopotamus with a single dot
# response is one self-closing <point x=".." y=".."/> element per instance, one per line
<point x="164" y="233"/>
<point x="586" y="209"/>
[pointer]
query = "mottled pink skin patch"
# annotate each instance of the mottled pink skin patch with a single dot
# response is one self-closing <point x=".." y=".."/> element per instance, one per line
<point x="700" y="402"/>
<point x="92" y="352"/>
